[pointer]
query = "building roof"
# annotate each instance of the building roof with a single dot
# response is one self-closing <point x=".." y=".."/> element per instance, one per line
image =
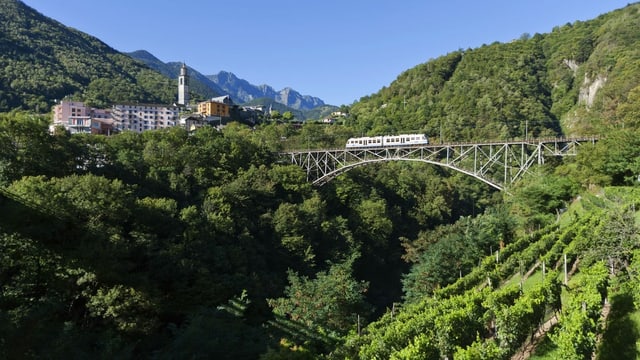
<point x="226" y="99"/>
<point x="148" y="105"/>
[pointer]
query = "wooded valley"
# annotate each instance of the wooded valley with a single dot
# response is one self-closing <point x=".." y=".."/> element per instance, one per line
<point x="206" y="244"/>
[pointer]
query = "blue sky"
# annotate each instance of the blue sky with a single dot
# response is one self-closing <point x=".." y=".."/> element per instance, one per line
<point x="337" y="50"/>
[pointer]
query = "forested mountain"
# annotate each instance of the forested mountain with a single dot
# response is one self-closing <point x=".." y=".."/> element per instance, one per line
<point x="580" y="79"/>
<point x="42" y="61"/>
<point x="174" y="244"/>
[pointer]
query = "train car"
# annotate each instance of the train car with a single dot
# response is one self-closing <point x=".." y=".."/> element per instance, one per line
<point x="387" y="141"/>
<point x="405" y="140"/>
<point x="365" y="142"/>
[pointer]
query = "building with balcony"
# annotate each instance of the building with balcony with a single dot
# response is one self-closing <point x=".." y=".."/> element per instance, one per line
<point x="143" y="117"/>
<point x="77" y="118"/>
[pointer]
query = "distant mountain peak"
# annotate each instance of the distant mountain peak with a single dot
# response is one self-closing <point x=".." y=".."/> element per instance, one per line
<point x="140" y="54"/>
<point x="226" y="82"/>
<point x="242" y="91"/>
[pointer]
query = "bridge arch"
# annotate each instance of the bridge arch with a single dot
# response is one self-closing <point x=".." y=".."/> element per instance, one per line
<point x="497" y="163"/>
<point x="337" y="172"/>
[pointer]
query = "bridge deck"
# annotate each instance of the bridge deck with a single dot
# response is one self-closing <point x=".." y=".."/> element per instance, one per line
<point x="497" y="163"/>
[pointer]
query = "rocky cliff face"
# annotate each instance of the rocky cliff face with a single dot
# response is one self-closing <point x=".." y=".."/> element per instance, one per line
<point x="293" y="99"/>
<point x="242" y="91"/>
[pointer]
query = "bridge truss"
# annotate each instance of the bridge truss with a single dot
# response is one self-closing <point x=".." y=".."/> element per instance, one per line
<point x="497" y="163"/>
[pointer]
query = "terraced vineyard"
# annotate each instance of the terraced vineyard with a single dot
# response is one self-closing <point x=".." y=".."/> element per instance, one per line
<point x="548" y="294"/>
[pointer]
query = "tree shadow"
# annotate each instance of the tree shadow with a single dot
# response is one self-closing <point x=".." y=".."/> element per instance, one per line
<point x="32" y="220"/>
<point x="545" y="348"/>
<point x="621" y="334"/>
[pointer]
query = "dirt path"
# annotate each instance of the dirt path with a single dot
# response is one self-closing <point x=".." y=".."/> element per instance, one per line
<point x="604" y="315"/>
<point x="530" y="345"/>
<point x="527" y="349"/>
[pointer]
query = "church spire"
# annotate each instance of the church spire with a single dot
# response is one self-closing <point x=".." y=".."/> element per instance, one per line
<point x="183" y="86"/>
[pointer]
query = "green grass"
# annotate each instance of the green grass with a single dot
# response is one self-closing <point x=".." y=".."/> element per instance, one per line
<point x="546" y="350"/>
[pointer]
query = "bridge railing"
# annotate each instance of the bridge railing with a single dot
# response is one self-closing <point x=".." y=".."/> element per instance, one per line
<point x="497" y="163"/>
<point x="530" y="141"/>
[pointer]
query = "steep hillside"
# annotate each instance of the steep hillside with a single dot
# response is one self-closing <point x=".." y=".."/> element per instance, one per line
<point x="515" y="299"/>
<point x="581" y="78"/>
<point x="42" y="60"/>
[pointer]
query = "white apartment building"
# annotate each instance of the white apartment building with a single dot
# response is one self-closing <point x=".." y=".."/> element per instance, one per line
<point x="143" y="117"/>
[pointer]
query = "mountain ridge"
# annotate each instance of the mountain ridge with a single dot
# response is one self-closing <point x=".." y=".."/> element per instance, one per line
<point x="227" y="83"/>
<point x="198" y="84"/>
<point x="245" y="92"/>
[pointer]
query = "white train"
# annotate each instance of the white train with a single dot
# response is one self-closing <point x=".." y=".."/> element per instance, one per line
<point x="388" y="140"/>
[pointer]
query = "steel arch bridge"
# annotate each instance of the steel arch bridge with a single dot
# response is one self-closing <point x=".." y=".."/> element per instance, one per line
<point x="497" y="163"/>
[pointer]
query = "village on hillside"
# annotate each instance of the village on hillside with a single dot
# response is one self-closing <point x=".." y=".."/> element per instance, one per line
<point x="76" y="117"/>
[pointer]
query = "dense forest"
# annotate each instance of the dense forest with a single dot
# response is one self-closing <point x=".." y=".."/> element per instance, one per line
<point x="580" y="79"/>
<point x="162" y="230"/>
<point x="170" y="245"/>
<point x="207" y="244"/>
<point x="42" y="61"/>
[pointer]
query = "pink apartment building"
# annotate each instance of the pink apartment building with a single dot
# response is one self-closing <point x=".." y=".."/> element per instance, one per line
<point x="77" y="118"/>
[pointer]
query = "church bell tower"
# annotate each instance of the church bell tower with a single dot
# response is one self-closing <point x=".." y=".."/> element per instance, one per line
<point x="183" y="86"/>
